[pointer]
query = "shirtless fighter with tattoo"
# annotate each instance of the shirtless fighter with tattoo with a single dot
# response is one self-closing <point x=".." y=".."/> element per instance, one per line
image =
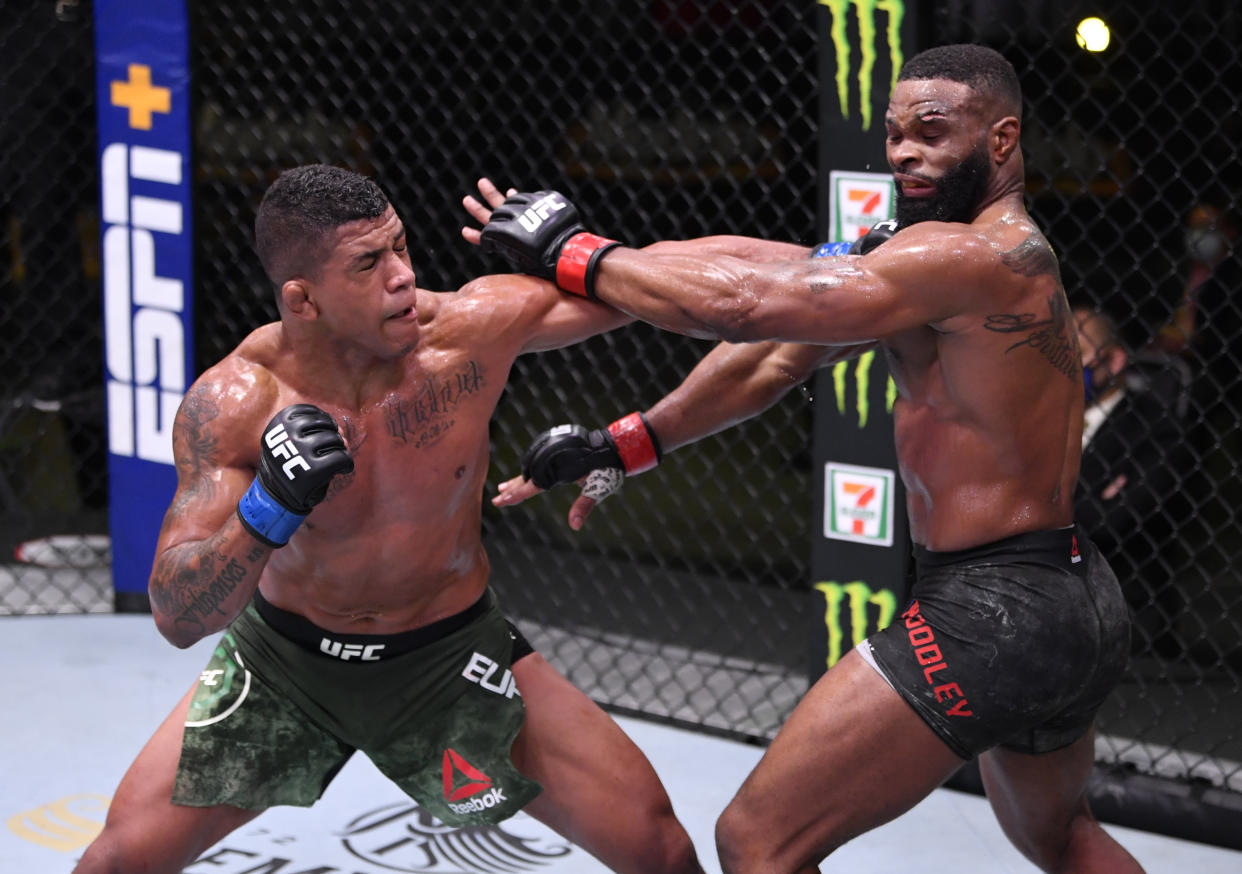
<point x="1016" y="630"/>
<point x="327" y="520"/>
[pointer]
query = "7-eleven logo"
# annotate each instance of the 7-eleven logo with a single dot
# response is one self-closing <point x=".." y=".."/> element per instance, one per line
<point x="462" y="779"/>
<point x="857" y="201"/>
<point x="858" y="503"/>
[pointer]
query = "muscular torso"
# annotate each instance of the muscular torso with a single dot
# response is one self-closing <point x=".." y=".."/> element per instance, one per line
<point x="397" y="542"/>
<point x="988" y="419"/>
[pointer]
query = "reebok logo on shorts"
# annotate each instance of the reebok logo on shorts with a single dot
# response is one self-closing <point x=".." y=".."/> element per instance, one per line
<point x="928" y="653"/>
<point x="463" y="780"/>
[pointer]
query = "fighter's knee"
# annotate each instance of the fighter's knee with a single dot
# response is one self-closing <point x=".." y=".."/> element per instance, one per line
<point x="750" y="837"/>
<point x="741" y="843"/>
<point x="103" y="856"/>
<point x="672" y="852"/>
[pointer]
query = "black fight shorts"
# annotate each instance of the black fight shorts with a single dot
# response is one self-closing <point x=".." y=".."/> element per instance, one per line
<point x="1015" y="643"/>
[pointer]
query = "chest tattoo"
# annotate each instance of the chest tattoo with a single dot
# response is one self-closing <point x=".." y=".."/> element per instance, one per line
<point x="427" y="413"/>
<point x="1053" y="337"/>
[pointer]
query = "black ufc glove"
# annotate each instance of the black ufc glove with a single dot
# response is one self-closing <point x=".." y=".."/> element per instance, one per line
<point x="300" y="452"/>
<point x="879" y="233"/>
<point x="567" y="453"/>
<point x="539" y="233"/>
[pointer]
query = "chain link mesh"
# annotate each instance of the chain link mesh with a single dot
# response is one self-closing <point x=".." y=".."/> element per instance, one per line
<point x="684" y="597"/>
<point x="53" y="461"/>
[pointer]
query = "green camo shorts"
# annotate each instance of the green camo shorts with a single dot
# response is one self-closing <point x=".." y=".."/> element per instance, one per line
<point x="277" y="713"/>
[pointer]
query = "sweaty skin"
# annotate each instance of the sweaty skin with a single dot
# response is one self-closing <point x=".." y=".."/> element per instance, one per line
<point x="966" y="303"/>
<point x="411" y="378"/>
<point x="971" y="317"/>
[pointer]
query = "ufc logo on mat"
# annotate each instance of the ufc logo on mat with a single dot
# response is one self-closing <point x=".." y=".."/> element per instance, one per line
<point x="282" y="447"/>
<point x="538" y="212"/>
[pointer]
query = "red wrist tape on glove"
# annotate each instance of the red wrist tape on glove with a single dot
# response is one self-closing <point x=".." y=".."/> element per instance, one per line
<point x="576" y="265"/>
<point x="636" y="443"/>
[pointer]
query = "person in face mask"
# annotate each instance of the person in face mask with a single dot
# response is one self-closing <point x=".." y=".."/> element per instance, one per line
<point x="1210" y="238"/>
<point x="1133" y="464"/>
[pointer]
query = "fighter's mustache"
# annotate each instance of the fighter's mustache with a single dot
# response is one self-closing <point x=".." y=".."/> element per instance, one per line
<point x="914" y="179"/>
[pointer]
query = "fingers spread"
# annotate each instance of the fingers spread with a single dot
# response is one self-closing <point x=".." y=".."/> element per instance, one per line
<point x="490" y="192"/>
<point x="515" y="491"/>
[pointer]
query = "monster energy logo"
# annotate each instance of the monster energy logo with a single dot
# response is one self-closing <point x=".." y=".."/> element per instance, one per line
<point x="865" y="10"/>
<point x="862" y="385"/>
<point x="860" y="598"/>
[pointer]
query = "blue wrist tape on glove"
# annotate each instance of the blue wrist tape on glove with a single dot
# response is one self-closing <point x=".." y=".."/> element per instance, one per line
<point x="265" y="518"/>
<point x="827" y="250"/>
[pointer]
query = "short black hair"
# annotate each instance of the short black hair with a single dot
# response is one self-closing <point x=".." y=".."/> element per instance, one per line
<point x="983" y="69"/>
<point x="302" y="207"/>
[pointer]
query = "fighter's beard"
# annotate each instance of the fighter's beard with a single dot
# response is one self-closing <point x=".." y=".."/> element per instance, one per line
<point x="958" y="194"/>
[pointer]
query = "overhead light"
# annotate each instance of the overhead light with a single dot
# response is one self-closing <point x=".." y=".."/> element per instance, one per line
<point x="1092" y="34"/>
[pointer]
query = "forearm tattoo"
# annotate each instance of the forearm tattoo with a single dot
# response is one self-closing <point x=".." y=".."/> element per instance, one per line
<point x="192" y="582"/>
<point x="1054" y="337"/>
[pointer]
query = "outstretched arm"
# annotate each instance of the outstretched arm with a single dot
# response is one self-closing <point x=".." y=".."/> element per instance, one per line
<point x="732" y="383"/>
<point x="735" y="382"/>
<point x="914" y="280"/>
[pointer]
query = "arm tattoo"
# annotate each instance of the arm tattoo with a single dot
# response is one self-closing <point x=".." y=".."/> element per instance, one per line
<point x="199" y="446"/>
<point x="1054" y="337"/>
<point x="1032" y="257"/>
<point x="191" y="584"/>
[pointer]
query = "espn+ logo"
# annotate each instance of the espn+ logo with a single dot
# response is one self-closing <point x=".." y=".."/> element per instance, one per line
<point x="143" y="311"/>
<point x="278" y="442"/>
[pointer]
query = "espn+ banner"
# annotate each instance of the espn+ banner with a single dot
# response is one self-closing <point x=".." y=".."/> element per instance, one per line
<point x="860" y="550"/>
<point x="142" y="95"/>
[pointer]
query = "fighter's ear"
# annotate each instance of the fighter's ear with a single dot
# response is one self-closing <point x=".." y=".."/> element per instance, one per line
<point x="1003" y="138"/>
<point x="296" y="296"/>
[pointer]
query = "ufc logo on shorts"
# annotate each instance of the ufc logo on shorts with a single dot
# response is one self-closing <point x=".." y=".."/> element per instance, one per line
<point x="481" y="669"/>
<point x="538" y="212"/>
<point x="347" y="651"/>
<point x="282" y="447"/>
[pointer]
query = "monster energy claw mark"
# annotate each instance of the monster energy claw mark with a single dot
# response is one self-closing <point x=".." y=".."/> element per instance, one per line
<point x="862" y="384"/>
<point x="866" y="10"/>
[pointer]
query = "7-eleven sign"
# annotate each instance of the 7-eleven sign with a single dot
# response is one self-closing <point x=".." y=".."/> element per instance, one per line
<point x="856" y="201"/>
<point x="858" y="503"/>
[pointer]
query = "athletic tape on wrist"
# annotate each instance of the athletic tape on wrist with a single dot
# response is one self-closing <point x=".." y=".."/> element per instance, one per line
<point x="637" y="444"/>
<point x="265" y="518"/>
<point x="602" y="482"/>
<point x="578" y="261"/>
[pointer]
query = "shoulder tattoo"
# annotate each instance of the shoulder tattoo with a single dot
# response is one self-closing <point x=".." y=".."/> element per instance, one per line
<point x="1033" y="257"/>
<point x="1054" y="336"/>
